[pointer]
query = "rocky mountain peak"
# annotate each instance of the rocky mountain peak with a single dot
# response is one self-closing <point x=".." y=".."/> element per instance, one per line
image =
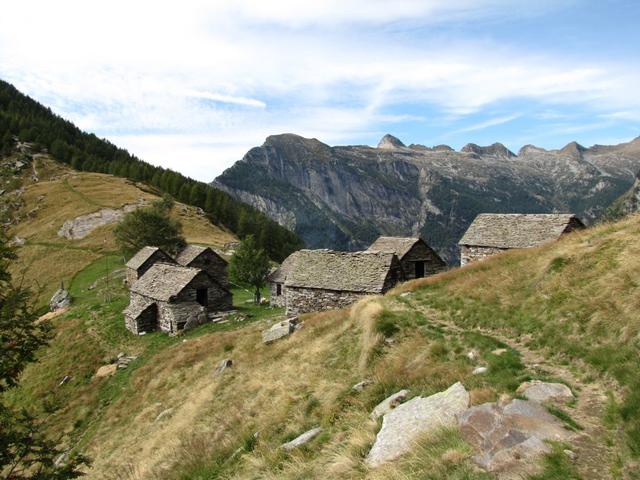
<point x="389" y="142"/>
<point x="530" y="150"/>
<point x="497" y="149"/>
<point x="574" y="149"/>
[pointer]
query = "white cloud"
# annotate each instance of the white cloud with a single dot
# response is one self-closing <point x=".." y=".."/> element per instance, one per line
<point x="489" y="123"/>
<point x="193" y="85"/>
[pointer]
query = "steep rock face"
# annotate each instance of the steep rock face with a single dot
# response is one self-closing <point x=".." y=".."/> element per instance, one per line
<point x="344" y="197"/>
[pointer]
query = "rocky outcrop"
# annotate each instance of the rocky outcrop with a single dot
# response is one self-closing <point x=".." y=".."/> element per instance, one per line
<point x="545" y="392"/>
<point x="389" y="404"/>
<point x="345" y="197"/>
<point x="402" y="426"/>
<point x="306" y="437"/>
<point x="280" y="330"/>
<point x="61" y="299"/>
<point x="510" y="436"/>
<point x="80" y="227"/>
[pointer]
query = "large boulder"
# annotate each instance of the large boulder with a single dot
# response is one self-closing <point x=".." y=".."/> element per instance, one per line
<point x="510" y="436"/>
<point x="60" y="299"/>
<point x="544" y="391"/>
<point x="407" y="422"/>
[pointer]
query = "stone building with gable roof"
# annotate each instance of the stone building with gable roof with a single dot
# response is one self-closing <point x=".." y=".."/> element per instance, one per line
<point x="143" y="260"/>
<point x="326" y="279"/>
<point x="416" y="257"/>
<point x="172" y="297"/>
<point x="277" y="280"/>
<point x="493" y="233"/>
<point x="205" y="258"/>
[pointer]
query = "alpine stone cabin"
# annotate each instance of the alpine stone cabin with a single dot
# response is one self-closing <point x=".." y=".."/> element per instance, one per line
<point x="171" y="298"/>
<point x="416" y="257"/>
<point x="325" y="279"/>
<point x="143" y="261"/>
<point x="277" y="279"/>
<point x="492" y="233"/>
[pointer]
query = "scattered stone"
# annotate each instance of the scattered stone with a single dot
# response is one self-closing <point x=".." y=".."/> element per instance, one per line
<point x="140" y="334"/>
<point x="389" y="341"/>
<point x="472" y="355"/>
<point x="17" y="241"/>
<point x="223" y="365"/>
<point x="389" y="404"/>
<point x="61" y="459"/>
<point x="164" y="414"/>
<point x="66" y="379"/>
<point x="509" y="436"/>
<point x="405" y="294"/>
<point x="60" y="299"/>
<point x="358" y="387"/>
<point x="571" y="455"/>
<point x="407" y="422"/>
<point x="280" y="330"/>
<point x="302" y="439"/>
<point x="480" y="370"/>
<point x="124" y="360"/>
<point x="106" y="370"/>
<point x="499" y="351"/>
<point x="543" y="391"/>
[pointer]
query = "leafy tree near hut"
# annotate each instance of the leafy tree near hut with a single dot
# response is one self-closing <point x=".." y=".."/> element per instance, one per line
<point x="24" y="451"/>
<point x="249" y="266"/>
<point x="152" y="226"/>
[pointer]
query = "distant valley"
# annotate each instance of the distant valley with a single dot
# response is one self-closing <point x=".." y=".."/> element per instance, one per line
<point x="344" y="197"/>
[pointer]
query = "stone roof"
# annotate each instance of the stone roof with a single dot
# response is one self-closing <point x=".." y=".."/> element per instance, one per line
<point x="398" y="245"/>
<point x="142" y="256"/>
<point x="189" y="253"/>
<point x="363" y="272"/>
<point x="135" y="309"/>
<point x="517" y="230"/>
<point x="164" y="281"/>
<point x="279" y="275"/>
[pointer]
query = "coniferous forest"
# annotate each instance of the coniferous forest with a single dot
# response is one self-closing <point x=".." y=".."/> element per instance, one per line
<point x="29" y="121"/>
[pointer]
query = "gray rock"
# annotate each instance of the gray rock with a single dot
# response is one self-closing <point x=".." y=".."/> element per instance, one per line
<point x="280" y="330"/>
<point x="60" y="299"/>
<point x="83" y="225"/>
<point x="480" y="370"/>
<point x="302" y="439"/>
<point x="164" y="414"/>
<point x="389" y="404"/>
<point x="543" y="391"/>
<point x="223" y="365"/>
<point x="570" y="454"/>
<point x="472" y="355"/>
<point x="499" y="351"/>
<point x="360" y="386"/>
<point x="508" y="436"/>
<point x="407" y="422"/>
<point x="65" y="379"/>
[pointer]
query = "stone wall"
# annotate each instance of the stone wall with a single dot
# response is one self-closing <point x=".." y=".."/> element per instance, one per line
<point x="147" y="320"/>
<point x="218" y="298"/>
<point x="215" y="266"/>
<point x="470" y="254"/>
<point x="304" y="300"/>
<point x="421" y="253"/>
<point x="275" y="299"/>
<point x="180" y="316"/>
<point x="131" y="276"/>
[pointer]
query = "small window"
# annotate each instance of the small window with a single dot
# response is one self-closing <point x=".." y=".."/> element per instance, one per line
<point x="201" y="296"/>
<point x="278" y="289"/>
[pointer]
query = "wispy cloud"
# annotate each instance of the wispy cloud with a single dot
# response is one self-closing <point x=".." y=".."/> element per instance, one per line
<point x="489" y="123"/>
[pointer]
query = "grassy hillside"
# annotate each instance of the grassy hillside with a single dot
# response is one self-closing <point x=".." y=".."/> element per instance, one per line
<point x="62" y="194"/>
<point x="564" y="312"/>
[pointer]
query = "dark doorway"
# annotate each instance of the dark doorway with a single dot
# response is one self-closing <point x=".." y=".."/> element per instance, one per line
<point x="278" y="289"/>
<point x="202" y="297"/>
<point x="419" y="269"/>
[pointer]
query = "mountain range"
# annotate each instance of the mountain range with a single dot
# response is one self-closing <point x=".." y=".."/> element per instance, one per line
<point x="343" y="197"/>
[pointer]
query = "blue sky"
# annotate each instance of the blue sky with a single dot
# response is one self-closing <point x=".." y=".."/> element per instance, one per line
<point x="192" y="85"/>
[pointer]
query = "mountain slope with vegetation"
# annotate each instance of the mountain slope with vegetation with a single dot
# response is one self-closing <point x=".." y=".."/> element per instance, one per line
<point x="564" y="312"/>
<point x="344" y="197"/>
<point x="25" y="119"/>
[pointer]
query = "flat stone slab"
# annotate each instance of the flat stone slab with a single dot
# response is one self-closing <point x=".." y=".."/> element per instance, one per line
<point x="106" y="370"/>
<point x="389" y="404"/>
<point x="306" y="437"/>
<point x="402" y="426"/>
<point x="280" y="330"/>
<point x="544" y="391"/>
<point x="509" y="436"/>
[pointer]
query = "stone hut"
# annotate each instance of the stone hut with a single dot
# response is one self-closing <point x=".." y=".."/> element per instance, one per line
<point x="416" y="257"/>
<point x="325" y="279"/>
<point x="277" y="280"/>
<point x="206" y="259"/>
<point x="143" y="261"/>
<point x="492" y="233"/>
<point x="173" y="298"/>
